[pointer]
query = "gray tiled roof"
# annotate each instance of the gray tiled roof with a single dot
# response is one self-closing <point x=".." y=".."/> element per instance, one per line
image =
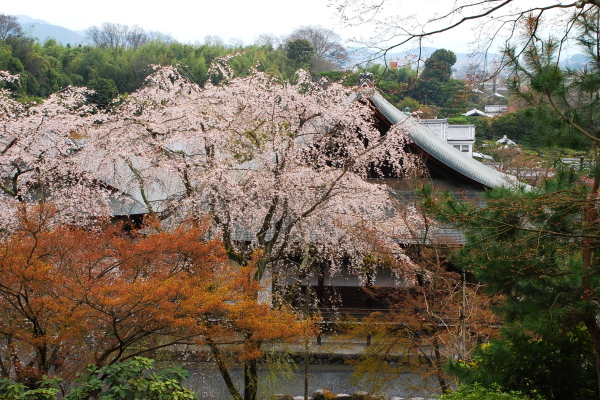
<point x="159" y="186"/>
<point x="442" y="151"/>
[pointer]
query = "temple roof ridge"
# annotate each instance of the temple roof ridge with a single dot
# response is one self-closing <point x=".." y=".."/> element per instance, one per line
<point x="441" y="151"/>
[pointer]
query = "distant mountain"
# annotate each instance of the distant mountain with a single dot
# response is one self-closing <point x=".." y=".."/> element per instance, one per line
<point x="360" y="55"/>
<point x="42" y="30"/>
<point x="459" y="69"/>
<point x="463" y="60"/>
<point x="24" y="19"/>
<point x="577" y="61"/>
<point x="412" y="56"/>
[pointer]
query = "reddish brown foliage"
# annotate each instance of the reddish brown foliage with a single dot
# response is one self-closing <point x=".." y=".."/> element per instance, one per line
<point x="69" y="296"/>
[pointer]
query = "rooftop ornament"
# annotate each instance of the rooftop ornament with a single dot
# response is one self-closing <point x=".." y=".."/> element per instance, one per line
<point x="365" y="80"/>
<point x="506" y="141"/>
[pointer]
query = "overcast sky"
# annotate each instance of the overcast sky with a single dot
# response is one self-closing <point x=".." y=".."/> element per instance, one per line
<point x="192" y="21"/>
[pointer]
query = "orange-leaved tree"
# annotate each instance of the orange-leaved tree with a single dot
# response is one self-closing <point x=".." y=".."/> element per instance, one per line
<point x="434" y="313"/>
<point x="69" y="297"/>
<point x="440" y="317"/>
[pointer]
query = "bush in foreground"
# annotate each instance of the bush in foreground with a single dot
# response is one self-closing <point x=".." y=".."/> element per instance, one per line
<point x="133" y="379"/>
<point x="478" y="392"/>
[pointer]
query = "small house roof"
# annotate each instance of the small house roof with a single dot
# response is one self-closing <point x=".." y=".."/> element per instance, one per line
<point x="476" y="113"/>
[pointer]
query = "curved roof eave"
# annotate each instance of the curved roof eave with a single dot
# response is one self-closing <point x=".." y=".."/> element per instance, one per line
<point x="442" y="151"/>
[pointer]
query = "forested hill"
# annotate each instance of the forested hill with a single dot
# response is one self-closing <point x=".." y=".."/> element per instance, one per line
<point x="118" y="59"/>
<point x="48" y="67"/>
<point x="121" y="55"/>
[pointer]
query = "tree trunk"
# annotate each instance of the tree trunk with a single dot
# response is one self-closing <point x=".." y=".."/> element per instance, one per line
<point x="306" y="341"/>
<point x="594" y="330"/>
<point x="439" y="366"/>
<point x="223" y="370"/>
<point x="589" y="244"/>
<point x="251" y="379"/>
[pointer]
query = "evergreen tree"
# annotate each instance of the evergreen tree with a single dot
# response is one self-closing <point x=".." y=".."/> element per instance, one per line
<point x="429" y="88"/>
<point x="299" y="52"/>
<point x="539" y="248"/>
<point x="105" y="91"/>
<point x="531" y="248"/>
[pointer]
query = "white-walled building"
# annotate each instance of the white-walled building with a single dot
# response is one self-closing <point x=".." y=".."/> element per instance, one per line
<point x="494" y="110"/>
<point x="461" y="137"/>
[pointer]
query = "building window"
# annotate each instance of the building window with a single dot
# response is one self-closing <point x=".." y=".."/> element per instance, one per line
<point x="462" y="147"/>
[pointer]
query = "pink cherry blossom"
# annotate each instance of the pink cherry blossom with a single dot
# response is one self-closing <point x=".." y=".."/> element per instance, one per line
<point x="279" y="166"/>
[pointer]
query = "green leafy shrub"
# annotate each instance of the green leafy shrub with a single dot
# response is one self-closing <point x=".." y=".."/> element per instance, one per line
<point x="477" y="392"/>
<point x="47" y="389"/>
<point x="130" y="380"/>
